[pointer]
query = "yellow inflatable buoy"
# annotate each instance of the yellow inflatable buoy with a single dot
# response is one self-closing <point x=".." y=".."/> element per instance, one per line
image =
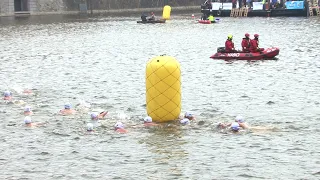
<point x="163" y="88"/>
<point x="166" y="12"/>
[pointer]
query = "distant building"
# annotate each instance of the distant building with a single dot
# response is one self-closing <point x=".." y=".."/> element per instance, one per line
<point x="12" y="7"/>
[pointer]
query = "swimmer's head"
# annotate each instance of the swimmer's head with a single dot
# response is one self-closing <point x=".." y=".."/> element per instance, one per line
<point x="27" y="120"/>
<point x="7" y="93"/>
<point x="119" y="125"/>
<point x="189" y="115"/>
<point x="67" y="106"/>
<point x="185" y="121"/>
<point x="235" y="126"/>
<point x="89" y="127"/>
<point x="147" y="119"/>
<point x="27" y="109"/>
<point x="239" y="119"/>
<point x="94" y="116"/>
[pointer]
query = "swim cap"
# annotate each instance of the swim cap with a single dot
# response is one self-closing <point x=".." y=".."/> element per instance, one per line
<point x="235" y="126"/>
<point x="247" y="35"/>
<point x="230" y="36"/>
<point x="185" y="121"/>
<point x="239" y="119"/>
<point x="27" y="120"/>
<point x="7" y="93"/>
<point x="67" y="106"/>
<point x="89" y="127"/>
<point x="27" y="109"/>
<point x="148" y="119"/>
<point x="94" y="115"/>
<point x="188" y="114"/>
<point x="119" y="125"/>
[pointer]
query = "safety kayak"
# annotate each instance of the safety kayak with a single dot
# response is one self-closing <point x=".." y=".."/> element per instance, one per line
<point x="268" y="53"/>
<point x="155" y="21"/>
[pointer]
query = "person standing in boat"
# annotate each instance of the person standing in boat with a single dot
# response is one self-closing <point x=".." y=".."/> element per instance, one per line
<point x="153" y="17"/>
<point x="229" y="45"/>
<point x="254" y="44"/>
<point x="246" y="43"/>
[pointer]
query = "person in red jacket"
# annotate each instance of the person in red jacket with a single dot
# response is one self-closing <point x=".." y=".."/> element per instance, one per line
<point x="246" y="43"/>
<point x="229" y="46"/>
<point x="254" y="44"/>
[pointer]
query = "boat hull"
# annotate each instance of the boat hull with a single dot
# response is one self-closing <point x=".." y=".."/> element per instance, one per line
<point x="152" y="22"/>
<point x="268" y="53"/>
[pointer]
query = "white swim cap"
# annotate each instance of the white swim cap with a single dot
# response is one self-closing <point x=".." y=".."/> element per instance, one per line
<point x="119" y="125"/>
<point x="185" y="121"/>
<point x="27" y="120"/>
<point x="147" y="119"/>
<point x="7" y="93"/>
<point x="235" y="126"/>
<point x="188" y="114"/>
<point x="89" y="127"/>
<point x="239" y="119"/>
<point x="67" y="106"/>
<point x="94" y="115"/>
<point x="27" y="109"/>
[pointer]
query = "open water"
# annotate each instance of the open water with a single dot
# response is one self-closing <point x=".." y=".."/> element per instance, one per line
<point x="102" y="60"/>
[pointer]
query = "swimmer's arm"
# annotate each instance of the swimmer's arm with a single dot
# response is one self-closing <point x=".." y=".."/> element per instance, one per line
<point x="103" y="114"/>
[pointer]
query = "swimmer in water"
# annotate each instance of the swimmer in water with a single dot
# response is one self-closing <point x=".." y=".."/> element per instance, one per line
<point x="185" y="121"/>
<point x="189" y="116"/>
<point x="238" y="119"/>
<point x="90" y="128"/>
<point x="27" y="111"/>
<point x="27" y="91"/>
<point x="235" y="127"/>
<point x="67" y="110"/>
<point x="96" y="116"/>
<point x="148" y="122"/>
<point x="7" y="96"/>
<point x="119" y="127"/>
<point x="28" y="122"/>
<point x="242" y="123"/>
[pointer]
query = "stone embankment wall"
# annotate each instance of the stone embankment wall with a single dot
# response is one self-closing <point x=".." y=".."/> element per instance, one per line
<point x="7" y="7"/>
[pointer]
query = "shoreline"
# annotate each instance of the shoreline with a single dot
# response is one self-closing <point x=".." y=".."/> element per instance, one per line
<point x="179" y="9"/>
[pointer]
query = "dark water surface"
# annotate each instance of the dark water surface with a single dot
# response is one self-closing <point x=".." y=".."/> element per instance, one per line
<point x="102" y="60"/>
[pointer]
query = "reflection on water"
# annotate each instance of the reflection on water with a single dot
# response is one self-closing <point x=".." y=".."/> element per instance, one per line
<point x="98" y="63"/>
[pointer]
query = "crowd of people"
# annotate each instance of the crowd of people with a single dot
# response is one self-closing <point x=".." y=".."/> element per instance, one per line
<point x="248" y="45"/>
<point x="119" y="126"/>
<point x="274" y="4"/>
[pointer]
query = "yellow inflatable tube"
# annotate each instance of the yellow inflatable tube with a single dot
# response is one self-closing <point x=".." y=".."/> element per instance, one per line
<point x="163" y="88"/>
<point x="166" y="12"/>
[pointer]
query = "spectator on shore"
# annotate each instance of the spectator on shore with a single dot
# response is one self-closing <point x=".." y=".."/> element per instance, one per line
<point x="240" y="3"/>
<point x="249" y="2"/>
<point x="234" y="3"/>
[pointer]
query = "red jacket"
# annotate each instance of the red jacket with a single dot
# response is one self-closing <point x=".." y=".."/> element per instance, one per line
<point x="245" y="44"/>
<point x="254" y="45"/>
<point x="229" y="46"/>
